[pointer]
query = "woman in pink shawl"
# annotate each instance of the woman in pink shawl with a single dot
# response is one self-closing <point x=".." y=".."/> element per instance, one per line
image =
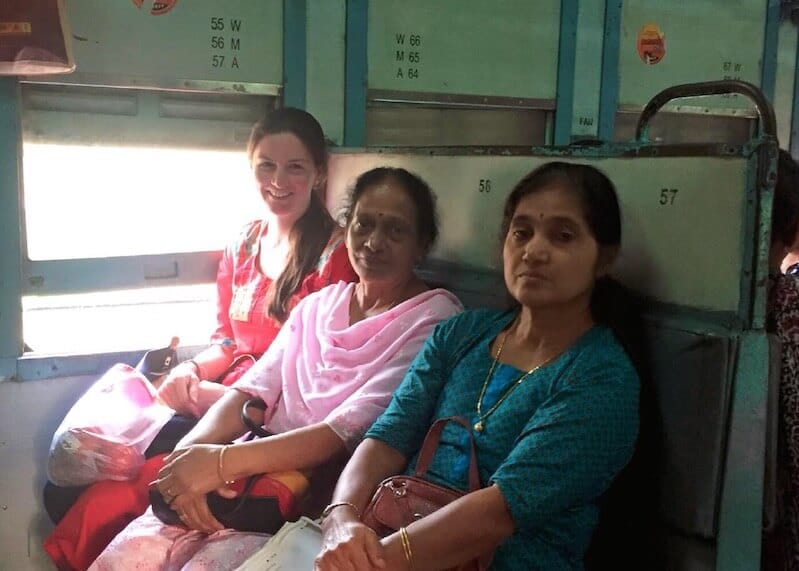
<point x="327" y="376"/>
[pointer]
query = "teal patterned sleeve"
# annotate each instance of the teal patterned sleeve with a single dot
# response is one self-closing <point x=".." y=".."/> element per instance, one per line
<point x="573" y="446"/>
<point x="404" y="423"/>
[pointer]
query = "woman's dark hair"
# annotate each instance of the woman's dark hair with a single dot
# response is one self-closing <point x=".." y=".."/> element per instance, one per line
<point x="785" y="209"/>
<point x="417" y="189"/>
<point x="629" y="505"/>
<point x="311" y="233"/>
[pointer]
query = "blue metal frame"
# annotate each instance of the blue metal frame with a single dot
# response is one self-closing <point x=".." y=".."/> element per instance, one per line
<point x="567" y="51"/>
<point x="741" y="511"/>
<point x="10" y="268"/>
<point x="768" y="71"/>
<point x="767" y="178"/>
<point x="609" y="90"/>
<point x="295" y="53"/>
<point x="749" y="247"/>
<point x="355" y="71"/>
<point x="741" y="507"/>
<point x="794" y="142"/>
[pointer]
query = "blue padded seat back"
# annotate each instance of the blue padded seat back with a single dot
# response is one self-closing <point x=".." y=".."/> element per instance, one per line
<point x="692" y="377"/>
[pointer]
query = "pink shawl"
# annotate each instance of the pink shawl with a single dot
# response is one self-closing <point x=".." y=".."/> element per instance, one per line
<point x="322" y="369"/>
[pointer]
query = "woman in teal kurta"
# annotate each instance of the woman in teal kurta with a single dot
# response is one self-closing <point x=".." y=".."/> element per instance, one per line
<point x="550" y="393"/>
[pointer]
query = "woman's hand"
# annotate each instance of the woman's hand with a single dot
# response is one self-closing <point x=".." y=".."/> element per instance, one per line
<point x="194" y="512"/>
<point x="180" y="390"/>
<point x="187" y="476"/>
<point x="194" y="470"/>
<point x="349" y="545"/>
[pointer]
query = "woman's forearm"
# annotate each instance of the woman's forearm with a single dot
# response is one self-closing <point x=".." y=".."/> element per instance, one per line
<point x="293" y="450"/>
<point x="459" y="532"/>
<point x="344" y="537"/>
<point x="222" y="423"/>
<point x="372" y="462"/>
<point x="208" y="393"/>
<point x="212" y="361"/>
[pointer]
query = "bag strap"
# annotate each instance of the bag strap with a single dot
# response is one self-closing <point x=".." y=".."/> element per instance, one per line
<point x="235" y="363"/>
<point x="256" y="431"/>
<point x="254" y="428"/>
<point x="430" y="445"/>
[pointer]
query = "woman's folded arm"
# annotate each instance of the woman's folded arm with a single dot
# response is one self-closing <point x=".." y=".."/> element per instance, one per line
<point x="222" y="423"/>
<point x="298" y="449"/>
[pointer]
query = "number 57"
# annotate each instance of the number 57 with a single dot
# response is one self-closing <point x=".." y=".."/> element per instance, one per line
<point x="667" y="196"/>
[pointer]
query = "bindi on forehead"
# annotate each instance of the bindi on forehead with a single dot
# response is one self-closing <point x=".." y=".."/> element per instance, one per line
<point x="380" y="214"/>
<point x="548" y="218"/>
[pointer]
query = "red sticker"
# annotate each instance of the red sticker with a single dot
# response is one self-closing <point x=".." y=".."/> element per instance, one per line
<point x="157" y="7"/>
<point x="651" y="44"/>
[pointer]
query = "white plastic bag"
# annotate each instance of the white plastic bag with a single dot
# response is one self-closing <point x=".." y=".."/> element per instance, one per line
<point x="105" y="434"/>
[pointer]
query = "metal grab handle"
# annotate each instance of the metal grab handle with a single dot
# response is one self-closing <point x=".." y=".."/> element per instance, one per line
<point x="768" y="122"/>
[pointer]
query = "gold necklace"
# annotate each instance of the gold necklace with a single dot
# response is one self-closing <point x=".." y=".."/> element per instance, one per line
<point x="481" y="418"/>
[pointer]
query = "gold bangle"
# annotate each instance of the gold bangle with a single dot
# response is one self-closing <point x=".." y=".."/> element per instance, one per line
<point x="406" y="546"/>
<point x="331" y="507"/>
<point x="219" y="465"/>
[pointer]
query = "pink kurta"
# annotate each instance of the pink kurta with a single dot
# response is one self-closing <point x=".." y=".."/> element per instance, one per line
<point x="318" y="369"/>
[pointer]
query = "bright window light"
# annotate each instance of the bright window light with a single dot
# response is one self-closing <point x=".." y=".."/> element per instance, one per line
<point x="91" y="201"/>
<point x="120" y="320"/>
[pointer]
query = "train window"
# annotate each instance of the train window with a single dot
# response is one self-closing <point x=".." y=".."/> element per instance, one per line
<point x="91" y="201"/>
<point x="107" y="321"/>
<point x="129" y="196"/>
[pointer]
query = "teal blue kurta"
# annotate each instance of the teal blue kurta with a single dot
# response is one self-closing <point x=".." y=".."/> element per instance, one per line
<point x="553" y="447"/>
